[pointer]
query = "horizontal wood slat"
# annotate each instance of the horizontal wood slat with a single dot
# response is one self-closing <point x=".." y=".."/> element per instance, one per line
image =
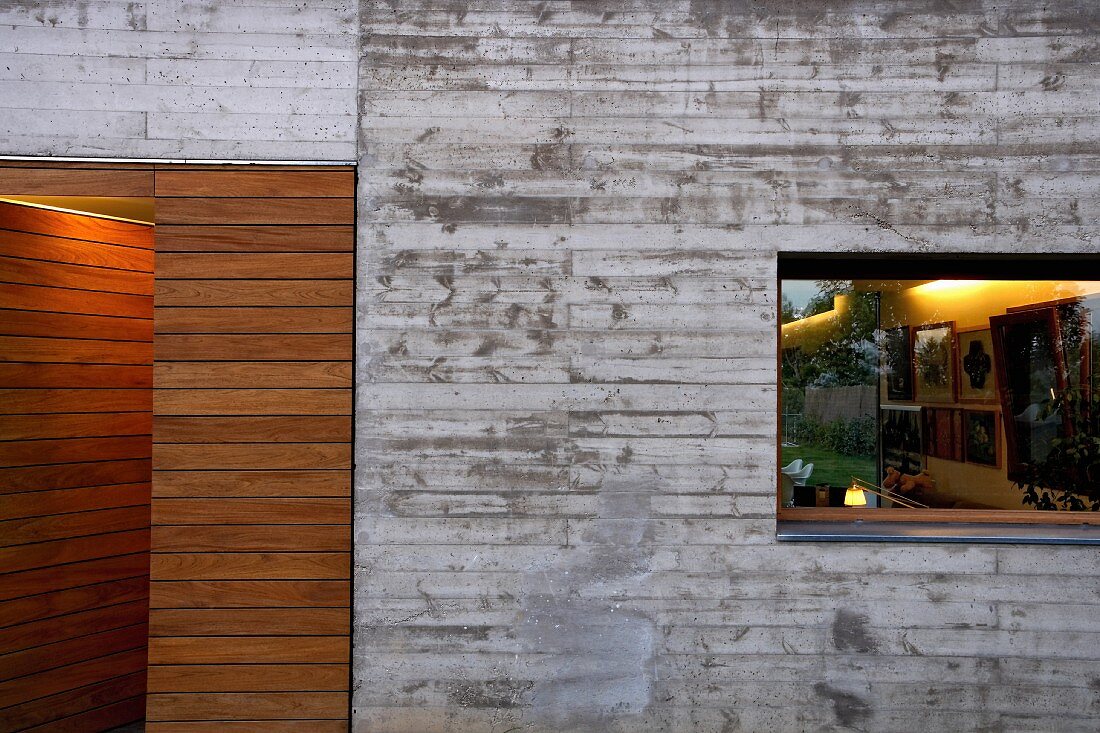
<point x="60" y="577"/>
<point x="245" y="706"/>
<point x="244" y="183"/>
<point x="73" y="475"/>
<point x="251" y="565"/>
<point x="297" y="292"/>
<point x="255" y="238"/>
<point x="64" y="501"/>
<point x="26" y="181"/>
<point x="87" y="401"/>
<point x="254" y="320"/>
<point x="265" y="266"/>
<point x="75" y="252"/>
<point x="235" y="402"/>
<point x="281" y="429"/>
<point x="77" y="277"/>
<point x="76" y="353"/>
<point x="251" y="511"/>
<point x="250" y="726"/>
<point x="224" y="677"/>
<point x="80" y="524"/>
<point x="249" y="594"/>
<point x="75" y="425"/>
<point x="252" y="622"/>
<point x="103" y="718"/>
<point x="254" y="375"/>
<point x="68" y="300"/>
<point x="89" y="547"/>
<point x="36" y="452"/>
<point x="252" y="454"/>
<point x="252" y="483"/>
<point x="74" y="326"/>
<point x="252" y="210"/>
<point x="253" y="347"/>
<point x="245" y="538"/>
<point x="250" y="649"/>
<point x="205" y="456"/>
<point x="24" y="375"/>
<point x="71" y="651"/>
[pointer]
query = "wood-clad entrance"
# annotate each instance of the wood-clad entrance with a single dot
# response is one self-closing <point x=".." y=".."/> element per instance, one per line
<point x="250" y="592"/>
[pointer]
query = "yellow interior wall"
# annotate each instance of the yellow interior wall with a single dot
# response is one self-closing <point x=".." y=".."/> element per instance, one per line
<point x="970" y="303"/>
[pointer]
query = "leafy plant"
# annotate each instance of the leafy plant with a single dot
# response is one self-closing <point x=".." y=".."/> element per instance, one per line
<point x="1068" y="478"/>
<point x="854" y="437"/>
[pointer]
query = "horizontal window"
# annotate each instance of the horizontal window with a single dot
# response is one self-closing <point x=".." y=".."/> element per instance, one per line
<point x="922" y="391"/>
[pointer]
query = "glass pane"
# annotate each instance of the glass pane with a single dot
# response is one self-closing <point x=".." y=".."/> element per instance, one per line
<point x="961" y="394"/>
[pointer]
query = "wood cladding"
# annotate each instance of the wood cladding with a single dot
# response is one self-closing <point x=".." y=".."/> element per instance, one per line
<point x="251" y="589"/>
<point x="76" y="330"/>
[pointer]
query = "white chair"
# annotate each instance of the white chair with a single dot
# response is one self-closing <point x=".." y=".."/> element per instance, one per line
<point x="792" y="467"/>
<point x="800" y="477"/>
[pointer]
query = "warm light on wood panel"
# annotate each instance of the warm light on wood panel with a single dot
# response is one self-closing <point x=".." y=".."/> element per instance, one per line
<point x="75" y="420"/>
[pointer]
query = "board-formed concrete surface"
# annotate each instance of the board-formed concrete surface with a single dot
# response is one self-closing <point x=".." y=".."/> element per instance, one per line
<point x="569" y="219"/>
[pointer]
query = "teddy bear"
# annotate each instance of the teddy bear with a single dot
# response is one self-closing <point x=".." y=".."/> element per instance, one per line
<point x="908" y="484"/>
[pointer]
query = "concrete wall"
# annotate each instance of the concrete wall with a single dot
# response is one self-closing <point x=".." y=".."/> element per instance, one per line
<point x="566" y="423"/>
<point x="570" y="217"/>
<point x="240" y="79"/>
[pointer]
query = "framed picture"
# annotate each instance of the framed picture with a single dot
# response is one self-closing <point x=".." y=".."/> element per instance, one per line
<point x="943" y="433"/>
<point x="934" y="362"/>
<point x="982" y="438"/>
<point x="977" y="377"/>
<point x="901" y="439"/>
<point x="897" y="363"/>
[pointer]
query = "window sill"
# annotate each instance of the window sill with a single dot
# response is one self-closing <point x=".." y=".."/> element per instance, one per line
<point x="987" y="533"/>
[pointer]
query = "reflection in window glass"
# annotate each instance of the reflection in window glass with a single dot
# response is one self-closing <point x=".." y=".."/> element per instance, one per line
<point x="957" y="394"/>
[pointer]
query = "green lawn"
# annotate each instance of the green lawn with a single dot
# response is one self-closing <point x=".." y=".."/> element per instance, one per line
<point x="831" y="468"/>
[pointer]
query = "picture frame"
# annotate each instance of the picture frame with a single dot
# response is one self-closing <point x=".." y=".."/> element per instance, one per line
<point x="934" y="362"/>
<point x="897" y="363"/>
<point x="943" y="433"/>
<point x="982" y="437"/>
<point x="975" y="367"/>
<point x="901" y="438"/>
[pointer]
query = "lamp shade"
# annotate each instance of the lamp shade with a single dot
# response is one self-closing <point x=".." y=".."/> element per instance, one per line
<point x="854" y="496"/>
